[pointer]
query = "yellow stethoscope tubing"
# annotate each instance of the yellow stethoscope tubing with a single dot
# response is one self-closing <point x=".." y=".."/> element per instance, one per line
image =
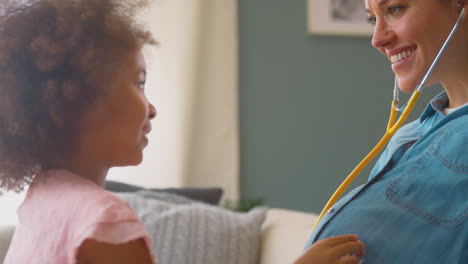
<point x="392" y="126"/>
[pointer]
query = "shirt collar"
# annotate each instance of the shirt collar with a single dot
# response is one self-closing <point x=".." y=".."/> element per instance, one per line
<point x="437" y="104"/>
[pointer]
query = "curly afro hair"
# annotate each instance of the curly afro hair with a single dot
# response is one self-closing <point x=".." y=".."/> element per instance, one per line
<point x="56" y="58"/>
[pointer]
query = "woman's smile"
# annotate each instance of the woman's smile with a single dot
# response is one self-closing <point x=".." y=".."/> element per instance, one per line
<point x="403" y="59"/>
<point x="399" y="54"/>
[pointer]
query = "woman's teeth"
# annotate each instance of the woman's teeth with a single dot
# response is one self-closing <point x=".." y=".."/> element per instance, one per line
<point x="400" y="56"/>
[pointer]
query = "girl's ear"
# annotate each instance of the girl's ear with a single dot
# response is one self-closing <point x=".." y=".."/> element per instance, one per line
<point x="461" y="4"/>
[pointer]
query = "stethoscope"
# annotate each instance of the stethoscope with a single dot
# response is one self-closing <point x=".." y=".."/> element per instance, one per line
<point x="393" y="124"/>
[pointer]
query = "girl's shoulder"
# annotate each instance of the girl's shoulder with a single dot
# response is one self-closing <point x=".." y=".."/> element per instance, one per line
<point x="71" y="210"/>
<point x="66" y="193"/>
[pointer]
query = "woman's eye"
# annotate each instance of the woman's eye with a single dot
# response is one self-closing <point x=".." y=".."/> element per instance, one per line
<point x="371" y="20"/>
<point x="396" y="9"/>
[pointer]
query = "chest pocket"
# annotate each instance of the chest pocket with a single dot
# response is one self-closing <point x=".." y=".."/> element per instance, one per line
<point x="435" y="186"/>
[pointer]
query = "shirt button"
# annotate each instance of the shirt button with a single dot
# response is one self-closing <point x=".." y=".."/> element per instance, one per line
<point x="331" y="211"/>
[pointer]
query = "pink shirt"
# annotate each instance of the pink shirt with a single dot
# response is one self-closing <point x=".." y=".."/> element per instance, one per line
<point x="60" y="211"/>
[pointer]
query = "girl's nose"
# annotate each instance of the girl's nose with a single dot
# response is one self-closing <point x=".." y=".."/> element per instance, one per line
<point x="152" y="111"/>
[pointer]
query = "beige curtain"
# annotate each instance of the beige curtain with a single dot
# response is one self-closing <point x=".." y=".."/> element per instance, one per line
<point x="193" y="82"/>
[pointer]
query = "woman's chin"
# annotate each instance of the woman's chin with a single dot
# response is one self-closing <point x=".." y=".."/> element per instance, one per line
<point x="407" y="91"/>
<point x="407" y="87"/>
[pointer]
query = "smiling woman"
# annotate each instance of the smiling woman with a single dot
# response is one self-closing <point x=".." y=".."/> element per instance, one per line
<point x="413" y="207"/>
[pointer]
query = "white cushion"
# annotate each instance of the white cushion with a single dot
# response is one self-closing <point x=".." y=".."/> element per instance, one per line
<point x="284" y="235"/>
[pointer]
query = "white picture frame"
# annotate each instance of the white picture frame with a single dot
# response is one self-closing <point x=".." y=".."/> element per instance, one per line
<point x="338" y="17"/>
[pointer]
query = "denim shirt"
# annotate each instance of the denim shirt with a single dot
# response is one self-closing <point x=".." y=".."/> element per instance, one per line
<point x="414" y="207"/>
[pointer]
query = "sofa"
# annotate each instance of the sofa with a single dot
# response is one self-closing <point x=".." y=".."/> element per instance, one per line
<point x="284" y="234"/>
<point x="278" y="237"/>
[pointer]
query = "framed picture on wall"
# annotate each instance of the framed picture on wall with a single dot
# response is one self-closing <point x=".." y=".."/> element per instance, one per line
<point x="338" y="17"/>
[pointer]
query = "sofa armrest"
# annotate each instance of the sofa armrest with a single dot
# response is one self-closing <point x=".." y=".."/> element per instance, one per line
<point x="284" y="235"/>
<point x="6" y="234"/>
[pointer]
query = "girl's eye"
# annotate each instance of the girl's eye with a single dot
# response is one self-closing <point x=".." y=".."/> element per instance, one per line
<point x="141" y="85"/>
<point x="371" y="20"/>
<point x="396" y="10"/>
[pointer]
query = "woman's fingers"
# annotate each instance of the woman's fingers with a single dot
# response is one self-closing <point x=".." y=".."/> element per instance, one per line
<point x="349" y="260"/>
<point x="345" y="249"/>
<point x="350" y="248"/>
<point x="339" y="249"/>
<point x="338" y="240"/>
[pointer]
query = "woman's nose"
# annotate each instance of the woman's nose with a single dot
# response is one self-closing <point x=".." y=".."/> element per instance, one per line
<point x="383" y="35"/>
<point x="152" y="111"/>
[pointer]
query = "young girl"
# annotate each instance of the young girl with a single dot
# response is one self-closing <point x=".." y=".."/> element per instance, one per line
<point x="72" y="105"/>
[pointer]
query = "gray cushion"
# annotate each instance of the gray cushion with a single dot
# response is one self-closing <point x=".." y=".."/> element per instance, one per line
<point x="210" y="195"/>
<point x="188" y="232"/>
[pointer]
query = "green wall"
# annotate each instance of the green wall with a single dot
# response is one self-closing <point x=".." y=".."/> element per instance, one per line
<point x="311" y="106"/>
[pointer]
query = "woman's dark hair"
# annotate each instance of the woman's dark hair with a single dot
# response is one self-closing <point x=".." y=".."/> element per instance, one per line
<point x="56" y="58"/>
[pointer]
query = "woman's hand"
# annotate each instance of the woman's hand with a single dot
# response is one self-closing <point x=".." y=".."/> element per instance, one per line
<point x="346" y="249"/>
